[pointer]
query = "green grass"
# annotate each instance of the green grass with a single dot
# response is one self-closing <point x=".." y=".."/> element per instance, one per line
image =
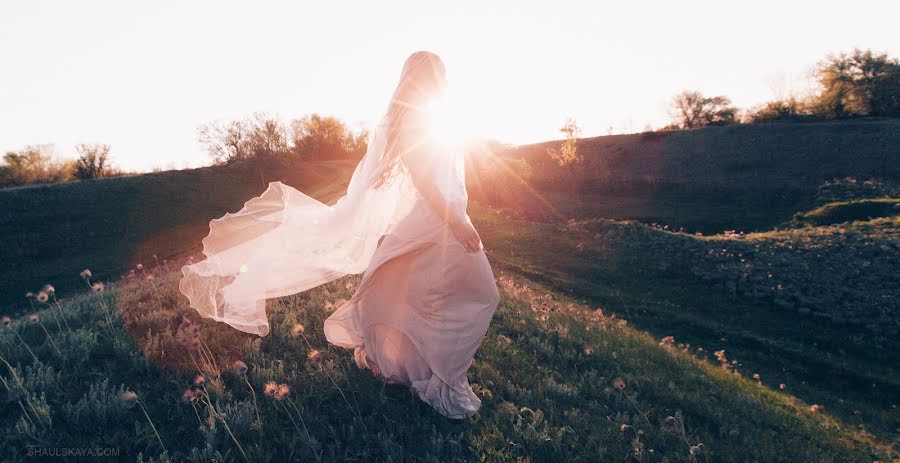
<point x="548" y="367"/>
<point x="546" y="397"/>
<point x="848" y="211"/>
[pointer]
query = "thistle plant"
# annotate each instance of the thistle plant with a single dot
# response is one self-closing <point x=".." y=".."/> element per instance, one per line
<point x="130" y="398"/>
<point x="200" y="384"/>
<point x="34" y="318"/>
<point x="24" y="392"/>
<point x="240" y="368"/>
<point x="280" y="393"/>
<point x="97" y="288"/>
<point x="7" y="323"/>
<point x="51" y="291"/>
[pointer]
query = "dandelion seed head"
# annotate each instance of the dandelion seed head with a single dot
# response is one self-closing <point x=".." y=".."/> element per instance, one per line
<point x="270" y="388"/>
<point x="282" y="392"/>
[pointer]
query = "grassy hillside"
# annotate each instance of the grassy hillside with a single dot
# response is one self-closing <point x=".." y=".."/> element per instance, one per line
<point x="560" y="381"/>
<point x="744" y="177"/>
<point x="614" y="340"/>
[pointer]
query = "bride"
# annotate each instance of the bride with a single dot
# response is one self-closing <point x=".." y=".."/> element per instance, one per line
<point x="428" y="293"/>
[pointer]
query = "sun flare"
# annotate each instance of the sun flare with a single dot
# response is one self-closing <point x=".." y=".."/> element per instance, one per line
<point x="448" y="121"/>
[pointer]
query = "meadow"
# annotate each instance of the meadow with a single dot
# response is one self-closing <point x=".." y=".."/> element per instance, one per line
<point x="658" y="324"/>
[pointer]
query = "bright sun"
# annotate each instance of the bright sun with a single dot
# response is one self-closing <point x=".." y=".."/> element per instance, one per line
<point x="449" y="122"/>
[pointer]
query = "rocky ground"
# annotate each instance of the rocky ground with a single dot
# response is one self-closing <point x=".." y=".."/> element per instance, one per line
<point x="846" y="273"/>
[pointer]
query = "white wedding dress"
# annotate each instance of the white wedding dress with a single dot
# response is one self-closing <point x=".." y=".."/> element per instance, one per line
<point x="424" y="303"/>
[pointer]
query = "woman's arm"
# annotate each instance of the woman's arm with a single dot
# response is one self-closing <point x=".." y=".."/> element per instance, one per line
<point x="459" y="223"/>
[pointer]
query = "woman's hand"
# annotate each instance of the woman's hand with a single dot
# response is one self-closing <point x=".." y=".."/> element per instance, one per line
<point x="464" y="231"/>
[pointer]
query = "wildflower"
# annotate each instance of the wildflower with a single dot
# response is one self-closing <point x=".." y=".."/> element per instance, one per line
<point x="48" y="288"/>
<point x="129" y="398"/>
<point x="349" y="285"/>
<point x="815" y="408"/>
<point x="97" y="287"/>
<point x="338" y="303"/>
<point x="199" y="380"/>
<point x="588" y="351"/>
<point x="667" y="341"/>
<point x="314" y="357"/>
<point x="239" y="367"/>
<point x="282" y="392"/>
<point x="329" y="306"/>
<point x="42" y="297"/>
<point x="670" y="420"/>
<point x="150" y="277"/>
<point x="189" y="395"/>
<point x="34" y="318"/>
<point x="140" y="266"/>
<point x="782" y="386"/>
<point x="29" y="295"/>
<point x="5" y="320"/>
<point x="695" y="449"/>
<point x="619" y="384"/>
<point x="297" y="330"/>
<point x="86" y="274"/>
<point x="270" y="388"/>
<point x="756" y="376"/>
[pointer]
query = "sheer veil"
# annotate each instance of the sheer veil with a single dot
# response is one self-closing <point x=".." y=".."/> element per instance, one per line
<point x="284" y="242"/>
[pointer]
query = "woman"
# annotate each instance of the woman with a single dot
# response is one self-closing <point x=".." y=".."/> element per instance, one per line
<point x="428" y="292"/>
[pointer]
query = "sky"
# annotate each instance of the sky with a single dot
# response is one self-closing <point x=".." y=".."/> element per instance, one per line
<point x="142" y="76"/>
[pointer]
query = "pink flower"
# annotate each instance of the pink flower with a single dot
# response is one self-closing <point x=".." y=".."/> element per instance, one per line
<point x="42" y="297"/>
<point x="5" y="320"/>
<point x="297" y="330"/>
<point x="314" y="357"/>
<point x="239" y="367"/>
<point x="282" y="392"/>
<point x="129" y="397"/>
<point x="48" y="288"/>
<point x="619" y="384"/>
<point x="34" y="318"/>
<point x="86" y="274"/>
<point x="270" y="388"/>
<point x="199" y="380"/>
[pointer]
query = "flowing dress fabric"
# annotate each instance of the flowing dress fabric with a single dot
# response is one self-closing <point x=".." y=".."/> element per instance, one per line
<point x="424" y="304"/>
<point x="284" y="242"/>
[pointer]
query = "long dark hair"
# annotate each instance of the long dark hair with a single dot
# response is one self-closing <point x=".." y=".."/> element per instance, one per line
<point x="422" y="74"/>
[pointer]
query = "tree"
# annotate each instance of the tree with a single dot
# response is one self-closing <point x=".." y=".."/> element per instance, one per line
<point x="567" y="155"/>
<point x="786" y="110"/>
<point x="33" y="164"/>
<point x="92" y="162"/>
<point x="860" y="83"/>
<point x="691" y="110"/>
<point x="225" y="142"/>
<point x="326" y="137"/>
